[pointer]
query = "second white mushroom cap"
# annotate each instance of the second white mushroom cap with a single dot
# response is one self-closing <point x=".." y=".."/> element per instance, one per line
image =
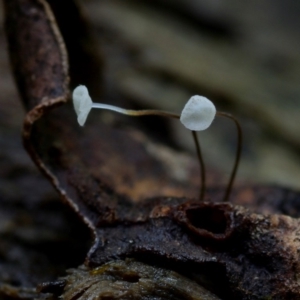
<point x="198" y="113"/>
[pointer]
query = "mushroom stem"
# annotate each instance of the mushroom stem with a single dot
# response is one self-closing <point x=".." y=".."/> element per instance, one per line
<point x="237" y="155"/>
<point x="136" y="113"/>
<point x="202" y="166"/>
<point x="139" y="113"/>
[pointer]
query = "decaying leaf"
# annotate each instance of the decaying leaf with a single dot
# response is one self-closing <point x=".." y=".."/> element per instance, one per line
<point x="131" y="280"/>
<point x="133" y="201"/>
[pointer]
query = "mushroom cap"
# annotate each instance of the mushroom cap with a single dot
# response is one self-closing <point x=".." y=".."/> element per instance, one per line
<point x="82" y="103"/>
<point x="198" y="113"/>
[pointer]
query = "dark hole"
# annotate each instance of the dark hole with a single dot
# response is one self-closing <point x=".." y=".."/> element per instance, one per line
<point x="208" y="218"/>
<point x="130" y="277"/>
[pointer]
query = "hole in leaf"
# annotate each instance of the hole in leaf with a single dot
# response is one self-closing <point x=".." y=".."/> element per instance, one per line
<point x="208" y="218"/>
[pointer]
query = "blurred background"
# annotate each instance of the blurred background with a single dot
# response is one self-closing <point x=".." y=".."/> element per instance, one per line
<point x="242" y="55"/>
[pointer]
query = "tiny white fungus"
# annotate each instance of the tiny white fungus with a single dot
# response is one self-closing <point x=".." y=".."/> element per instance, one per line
<point x="82" y="103"/>
<point x="198" y="113"/>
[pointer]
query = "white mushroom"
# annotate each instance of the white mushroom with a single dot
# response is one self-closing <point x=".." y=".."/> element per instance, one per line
<point x="82" y="103"/>
<point x="198" y="113"/>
